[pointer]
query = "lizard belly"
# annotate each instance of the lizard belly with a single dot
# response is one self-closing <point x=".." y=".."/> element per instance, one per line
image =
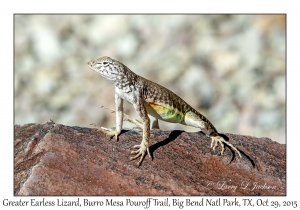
<point x="164" y="113"/>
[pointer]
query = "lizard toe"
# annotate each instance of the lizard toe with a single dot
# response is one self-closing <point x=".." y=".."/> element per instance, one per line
<point x="137" y="146"/>
<point x="218" y="139"/>
<point x="141" y="152"/>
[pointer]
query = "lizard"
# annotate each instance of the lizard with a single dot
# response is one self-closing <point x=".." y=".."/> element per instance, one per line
<point x="152" y="102"/>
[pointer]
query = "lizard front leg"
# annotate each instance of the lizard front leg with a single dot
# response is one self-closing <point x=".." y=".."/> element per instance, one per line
<point x="144" y="146"/>
<point x="119" y="115"/>
<point x="119" y="120"/>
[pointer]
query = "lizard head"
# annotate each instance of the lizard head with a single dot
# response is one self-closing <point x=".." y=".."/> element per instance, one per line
<point x="114" y="71"/>
<point x="101" y="65"/>
<point x="106" y="67"/>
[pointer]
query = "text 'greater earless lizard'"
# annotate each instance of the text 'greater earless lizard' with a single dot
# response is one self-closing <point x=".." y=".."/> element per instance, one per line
<point x="152" y="102"/>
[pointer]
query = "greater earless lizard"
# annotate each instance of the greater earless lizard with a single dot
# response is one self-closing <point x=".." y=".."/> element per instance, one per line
<point x="152" y="102"/>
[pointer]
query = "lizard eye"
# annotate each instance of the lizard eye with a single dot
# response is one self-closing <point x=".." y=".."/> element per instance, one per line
<point x="105" y="63"/>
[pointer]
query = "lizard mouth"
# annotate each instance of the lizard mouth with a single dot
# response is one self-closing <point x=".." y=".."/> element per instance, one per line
<point x="91" y="65"/>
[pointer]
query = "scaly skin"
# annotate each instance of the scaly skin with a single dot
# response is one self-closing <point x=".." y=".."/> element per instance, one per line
<point x="151" y="101"/>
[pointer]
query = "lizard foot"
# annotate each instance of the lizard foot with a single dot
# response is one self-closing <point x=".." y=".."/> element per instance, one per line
<point x="218" y="139"/>
<point x="141" y="151"/>
<point x="107" y="131"/>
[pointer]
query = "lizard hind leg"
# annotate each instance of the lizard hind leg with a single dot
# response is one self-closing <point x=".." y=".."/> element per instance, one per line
<point x="215" y="140"/>
<point x="199" y="121"/>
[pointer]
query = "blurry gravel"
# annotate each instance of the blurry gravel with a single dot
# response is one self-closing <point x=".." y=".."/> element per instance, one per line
<point x="231" y="68"/>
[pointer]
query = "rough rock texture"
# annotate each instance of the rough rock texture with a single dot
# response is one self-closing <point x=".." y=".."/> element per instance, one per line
<point x="53" y="159"/>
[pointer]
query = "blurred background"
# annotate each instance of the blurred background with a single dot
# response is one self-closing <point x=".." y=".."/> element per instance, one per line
<point x="231" y="68"/>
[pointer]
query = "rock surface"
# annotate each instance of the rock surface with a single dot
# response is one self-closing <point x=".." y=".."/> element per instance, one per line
<point x="54" y="159"/>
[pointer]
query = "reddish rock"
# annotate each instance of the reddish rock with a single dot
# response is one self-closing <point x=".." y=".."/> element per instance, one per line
<point x="54" y="159"/>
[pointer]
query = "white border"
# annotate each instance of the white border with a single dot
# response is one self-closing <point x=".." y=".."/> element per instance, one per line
<point x="8" y="8"/>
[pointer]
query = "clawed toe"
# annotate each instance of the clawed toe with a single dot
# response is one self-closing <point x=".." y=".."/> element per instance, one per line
<point x="138" y="155"/>
<point x="107" y="131"/>
<point x="137" y="146"/>
<point x="134" y="152"/>
<point x="215" y="140"/>
<point x="140" y="152"/>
